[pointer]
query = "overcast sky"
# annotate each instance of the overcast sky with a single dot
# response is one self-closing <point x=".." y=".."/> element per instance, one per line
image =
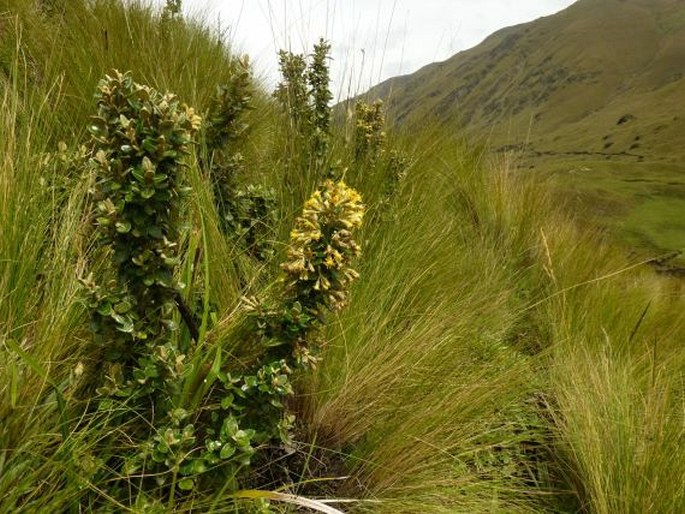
<point x="372" y="39"/>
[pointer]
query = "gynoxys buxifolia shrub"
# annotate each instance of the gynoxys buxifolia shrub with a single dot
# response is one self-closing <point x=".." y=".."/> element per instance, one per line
<point x="369" y="134"/>
<point x="317" y="277"/>
<point x="140" y="138"/>
<point x="305" y="97"/>
<point x="224" y="123"/>
<point x="372" y="153"/>
<point x="317" y="272"/>
<point x="246" y="213"/>
<point x="321" y="96"/>
<point x="246" y="412"/>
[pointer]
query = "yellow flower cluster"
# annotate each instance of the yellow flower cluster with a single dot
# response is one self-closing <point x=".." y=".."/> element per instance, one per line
<point x="322" y="247"/>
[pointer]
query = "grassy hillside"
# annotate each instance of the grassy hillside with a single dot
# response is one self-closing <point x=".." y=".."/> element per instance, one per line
<point x="592" y="95"/>
<point x="181" y="329"/>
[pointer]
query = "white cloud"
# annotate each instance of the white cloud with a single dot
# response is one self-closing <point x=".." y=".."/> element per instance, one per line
<point x="372" y="39"/>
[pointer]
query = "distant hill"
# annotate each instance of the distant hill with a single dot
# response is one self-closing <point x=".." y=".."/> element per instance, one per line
<point x="596" y="90"/>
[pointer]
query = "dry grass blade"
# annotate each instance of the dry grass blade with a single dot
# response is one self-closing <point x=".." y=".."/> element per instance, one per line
<point x="292" y="499"/>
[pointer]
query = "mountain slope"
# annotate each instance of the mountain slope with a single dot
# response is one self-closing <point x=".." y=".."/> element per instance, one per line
<point x="590" y="64"/>
<point x="597" y="88"/>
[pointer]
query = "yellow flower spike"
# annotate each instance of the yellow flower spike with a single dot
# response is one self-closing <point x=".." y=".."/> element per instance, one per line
<point x="322" y="247"/>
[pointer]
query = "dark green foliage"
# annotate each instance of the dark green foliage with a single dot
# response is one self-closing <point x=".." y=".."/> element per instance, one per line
<point x="253" y="219"/>
<point x="246" y="213"/>
<point x="224" y="120"/>
<point x="140" y="137"/>
<point x="305" y="97"/>
<point x="321" y="96"/>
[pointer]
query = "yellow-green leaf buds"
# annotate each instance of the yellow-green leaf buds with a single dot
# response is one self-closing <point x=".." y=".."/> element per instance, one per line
<point x="318" y="270"/>
<point x="369" y="136"/>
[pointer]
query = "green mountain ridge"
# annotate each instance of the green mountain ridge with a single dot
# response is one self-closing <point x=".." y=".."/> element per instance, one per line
<point x="596" y="90"/>
<point x="527" y="78"/>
